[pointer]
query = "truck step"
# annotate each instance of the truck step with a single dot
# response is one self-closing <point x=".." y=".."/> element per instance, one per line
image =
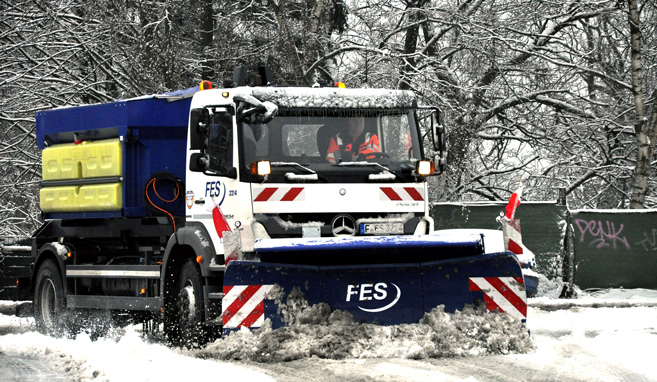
<point x="114" y="302"/>
<point x="217" y="268"/>
<point x="216" y="296"/>
<point x="114" y="271"/>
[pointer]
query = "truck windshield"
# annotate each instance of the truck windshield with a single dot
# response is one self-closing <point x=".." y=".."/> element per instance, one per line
<point x="325" y="143"/>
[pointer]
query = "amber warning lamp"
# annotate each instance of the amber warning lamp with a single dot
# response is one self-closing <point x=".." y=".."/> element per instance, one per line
<point x="205" y="85"/>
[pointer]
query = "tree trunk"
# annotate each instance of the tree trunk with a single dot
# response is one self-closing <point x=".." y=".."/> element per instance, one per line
<point x="206" y="33"/>
<point x="644" y="129"/>
<point x="410" y="42"/>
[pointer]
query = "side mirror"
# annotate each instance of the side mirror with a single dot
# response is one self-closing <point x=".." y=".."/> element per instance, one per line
<point x="197" y="129"/>
<point x="261" y="112"/>
<point x="438" y="134"/>
<point x="440" y="162"/>
<point x="198" y="162"/>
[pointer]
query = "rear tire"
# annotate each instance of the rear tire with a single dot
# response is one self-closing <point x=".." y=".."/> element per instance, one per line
<point x="50" y="314"/>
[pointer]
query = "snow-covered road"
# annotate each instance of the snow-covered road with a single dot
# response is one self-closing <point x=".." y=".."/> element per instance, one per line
<point x="588" y="339"/>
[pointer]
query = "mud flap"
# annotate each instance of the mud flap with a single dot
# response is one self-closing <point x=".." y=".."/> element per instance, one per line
<point x="386" y="294"/>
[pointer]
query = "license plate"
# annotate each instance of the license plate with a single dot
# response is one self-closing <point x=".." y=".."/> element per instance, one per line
<point x="381" y="228"/>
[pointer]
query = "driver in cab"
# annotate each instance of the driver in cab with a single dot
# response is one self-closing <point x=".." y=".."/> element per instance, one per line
<point x="349" y="145"/>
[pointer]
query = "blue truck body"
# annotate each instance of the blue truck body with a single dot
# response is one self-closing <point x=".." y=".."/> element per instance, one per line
<point x="154" y="132"/>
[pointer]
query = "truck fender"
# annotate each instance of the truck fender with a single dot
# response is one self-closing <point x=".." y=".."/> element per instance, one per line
<point x="55" y="251"/>
<point x="198" y="239"/>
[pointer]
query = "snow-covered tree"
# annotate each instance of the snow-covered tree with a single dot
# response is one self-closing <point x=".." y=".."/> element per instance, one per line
<point x="534" y="91"/>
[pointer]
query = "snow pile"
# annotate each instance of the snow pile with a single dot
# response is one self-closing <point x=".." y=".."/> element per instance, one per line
<point x="579" y="343"/>
<point x="549" y="287"/>
<point x="121" y="356"/>
<point x="318" y="331"/>
<point x="597" y="344"/>
<point x="599" y="298"/>
<point x="14" y="325"/>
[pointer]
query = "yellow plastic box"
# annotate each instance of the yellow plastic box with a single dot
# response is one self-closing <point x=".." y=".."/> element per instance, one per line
<point x="86" y="160"/>
<point x="97" y="197"/>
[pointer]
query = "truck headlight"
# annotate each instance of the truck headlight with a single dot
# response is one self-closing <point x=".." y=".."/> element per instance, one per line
<point x="262" y="168"/>
<point x="424" y="167"/>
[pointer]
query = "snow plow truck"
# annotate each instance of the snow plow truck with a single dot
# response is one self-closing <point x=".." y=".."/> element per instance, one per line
<point x="205" y="208"/>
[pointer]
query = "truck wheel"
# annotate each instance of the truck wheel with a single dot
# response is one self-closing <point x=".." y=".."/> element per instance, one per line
<point x="49" y="310"/>
<point x="190" y="307"/>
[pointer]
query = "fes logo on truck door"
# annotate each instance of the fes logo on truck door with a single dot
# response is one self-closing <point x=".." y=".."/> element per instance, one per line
<point x="370" y="292"/>
<point x="216" y="190"/>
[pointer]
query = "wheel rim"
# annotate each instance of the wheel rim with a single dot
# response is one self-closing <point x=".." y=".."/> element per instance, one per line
<point x="187" y="301"/>
<point x="48" y="304"/>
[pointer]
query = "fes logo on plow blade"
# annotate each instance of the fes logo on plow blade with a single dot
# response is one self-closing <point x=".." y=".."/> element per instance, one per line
<point x="506" y="294"/>
<point x="244" y="305"/>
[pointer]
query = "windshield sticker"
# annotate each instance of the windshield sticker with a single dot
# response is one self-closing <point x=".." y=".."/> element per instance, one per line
<point x="189" y="199"/>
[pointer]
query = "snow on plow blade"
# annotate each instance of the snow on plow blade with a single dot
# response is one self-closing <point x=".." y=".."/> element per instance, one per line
<point x="369" y="284"/>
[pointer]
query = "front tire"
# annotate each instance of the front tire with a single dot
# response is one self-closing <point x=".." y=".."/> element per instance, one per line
<point x="49" y="311"/>
<point x="187" y="316"/>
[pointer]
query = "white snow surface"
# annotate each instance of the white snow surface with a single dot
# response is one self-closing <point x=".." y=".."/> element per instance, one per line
<point x="124" y="355"/>
<point x="381" y="241"/>
<point x="583" y="339"/>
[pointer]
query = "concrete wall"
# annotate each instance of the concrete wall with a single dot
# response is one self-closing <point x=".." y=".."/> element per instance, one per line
<point x="606" y="249"/>
<point x="614" y="249"/>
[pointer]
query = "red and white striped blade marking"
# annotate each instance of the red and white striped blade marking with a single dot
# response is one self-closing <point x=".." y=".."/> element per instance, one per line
<point x="512" y="236"/>
<point x="279" y="194"/>
<point x="505" y="294"/>
<point x="401" y="194"/>
<point x="244" y="305"/>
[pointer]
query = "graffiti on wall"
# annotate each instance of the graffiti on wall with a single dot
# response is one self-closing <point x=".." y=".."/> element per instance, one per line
<point x="602" y="234"/>
<point x="649" y="243"/>
<point x="614" y="250"/>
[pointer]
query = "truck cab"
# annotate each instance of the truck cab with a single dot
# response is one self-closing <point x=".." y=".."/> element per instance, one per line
<point x="268" y="170"/>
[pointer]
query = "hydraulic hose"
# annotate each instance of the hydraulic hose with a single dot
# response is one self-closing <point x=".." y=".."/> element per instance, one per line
<point x="178" y="187"/>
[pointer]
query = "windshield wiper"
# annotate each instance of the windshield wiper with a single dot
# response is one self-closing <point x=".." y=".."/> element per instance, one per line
<point x="385" y="173"/>
<point x="364" y="164"/>
<point x="294" y="164"/>
<point x="309" y="175"/>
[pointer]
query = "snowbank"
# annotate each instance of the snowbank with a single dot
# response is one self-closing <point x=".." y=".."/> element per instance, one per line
<point x="600" y="298"/>
<point x="318" y="331"/>
<point x="123" y="355"/>
<point x="580" y="343"/>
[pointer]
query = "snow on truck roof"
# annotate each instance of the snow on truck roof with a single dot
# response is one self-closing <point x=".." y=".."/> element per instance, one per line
<point x="336" y="98"/>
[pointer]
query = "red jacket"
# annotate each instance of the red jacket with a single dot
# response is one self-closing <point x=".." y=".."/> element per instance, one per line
<point x="339" y="150"/>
